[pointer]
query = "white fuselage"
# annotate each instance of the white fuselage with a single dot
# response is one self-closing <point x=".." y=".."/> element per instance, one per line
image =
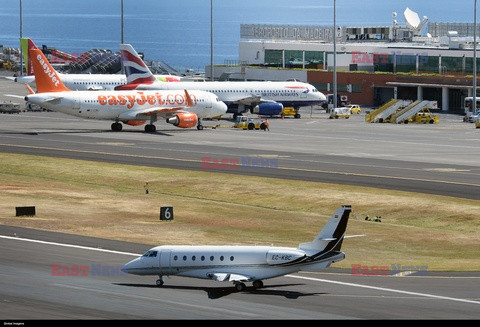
<point x="93" y="82"/>
<point x="124" y="105"/>
<point x="290" y="94"/>
<point x="257" y="262"/>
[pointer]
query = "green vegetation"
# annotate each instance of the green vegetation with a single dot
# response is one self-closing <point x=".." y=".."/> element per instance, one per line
<point x="109" y="201"/>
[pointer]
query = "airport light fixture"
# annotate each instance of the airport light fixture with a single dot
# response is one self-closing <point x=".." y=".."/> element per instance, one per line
<point x="475" y="56"/>
<point x="335" y="54"/>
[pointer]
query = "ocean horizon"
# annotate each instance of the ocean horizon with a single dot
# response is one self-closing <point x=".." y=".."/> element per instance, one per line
<point x="178" y="32"/>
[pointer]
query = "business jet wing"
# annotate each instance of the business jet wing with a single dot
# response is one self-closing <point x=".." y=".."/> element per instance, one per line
<point x="221" y="277"/>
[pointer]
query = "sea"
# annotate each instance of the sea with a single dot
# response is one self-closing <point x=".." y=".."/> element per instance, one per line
<point x="179" y="32"/>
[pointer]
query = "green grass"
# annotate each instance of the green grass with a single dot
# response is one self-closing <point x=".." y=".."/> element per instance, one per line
<point x="109" y="201"/>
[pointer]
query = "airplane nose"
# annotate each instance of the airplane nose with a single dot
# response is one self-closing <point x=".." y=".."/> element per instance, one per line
<point x="130" y="267"/>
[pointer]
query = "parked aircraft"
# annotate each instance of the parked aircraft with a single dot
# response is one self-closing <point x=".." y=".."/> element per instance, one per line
<point x="263" y="98"/>
<point x="240" y="264"/>
<point x="181" y="108"/>
<point x="90" y="82"/>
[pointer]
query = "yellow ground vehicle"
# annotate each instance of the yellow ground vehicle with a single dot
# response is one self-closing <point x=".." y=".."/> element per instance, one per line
<point x="354" y="108"/>
<point x="245" y="122"/>
<point x="290" y="111"/>
<point x="343" y="112"/>
<point x="424" y="117"/>
<point x="477" y="123"/>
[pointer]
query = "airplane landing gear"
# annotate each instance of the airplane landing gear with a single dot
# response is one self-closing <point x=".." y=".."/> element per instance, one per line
<point x="116" y="127"/>
<point x="160" y="281"/>
<point x="150" y="128"/>
<point x="199" y="125"/>
<point x="240" y="287"/>
<point x="257" y="284"/>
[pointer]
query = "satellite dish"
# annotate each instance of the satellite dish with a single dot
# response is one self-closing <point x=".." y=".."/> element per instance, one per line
<point x="411" y="18"/>
<point x="413" y="21"/>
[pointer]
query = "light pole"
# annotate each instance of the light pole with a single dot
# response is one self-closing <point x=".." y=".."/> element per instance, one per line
<point x="211" y="40"/>
<point x="474" y="103"/>
<point x="21" y="35"/>
<point x="335" y="54"/>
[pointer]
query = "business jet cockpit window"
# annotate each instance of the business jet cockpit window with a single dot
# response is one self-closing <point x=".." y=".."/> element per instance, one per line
<point x="150" y="253"/>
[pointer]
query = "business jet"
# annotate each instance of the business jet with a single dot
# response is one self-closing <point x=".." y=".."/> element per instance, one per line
<point x="90" y="82"/>
<point x="241" y="264"/>
<point x="262" y="98"/>
<point x="178" y="107"/>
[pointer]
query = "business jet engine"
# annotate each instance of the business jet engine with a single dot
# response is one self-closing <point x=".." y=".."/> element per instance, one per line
<point x="268" y="109"/>
<point x="183" y="120"/>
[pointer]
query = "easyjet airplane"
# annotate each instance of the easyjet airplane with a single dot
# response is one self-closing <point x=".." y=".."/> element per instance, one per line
<point x="179" y="107"/>
<point x="263" y="98"/>
<point x="91" y="82"/>
<point x="240" y="264"/>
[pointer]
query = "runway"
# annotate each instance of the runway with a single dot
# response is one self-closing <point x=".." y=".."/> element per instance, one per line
<point x="435" y="159"/>
<point x="32" y="288"/>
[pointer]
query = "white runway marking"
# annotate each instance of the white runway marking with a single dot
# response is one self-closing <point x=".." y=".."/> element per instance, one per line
<point x="383" y="289"/>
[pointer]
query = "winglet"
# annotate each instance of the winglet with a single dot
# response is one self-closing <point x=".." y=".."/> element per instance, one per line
<point x="189" y="99"/>
<point x="46" y="77"/>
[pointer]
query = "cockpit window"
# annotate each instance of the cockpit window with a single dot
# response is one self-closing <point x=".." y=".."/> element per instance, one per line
<point x="150" y="254"/>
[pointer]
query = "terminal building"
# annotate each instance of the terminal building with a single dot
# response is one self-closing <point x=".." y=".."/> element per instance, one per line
<point x="374" y="64"/>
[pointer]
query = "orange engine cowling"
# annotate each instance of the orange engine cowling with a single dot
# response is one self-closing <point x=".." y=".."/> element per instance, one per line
<point x="135" y="122"/>
<point x="183" y="120"/>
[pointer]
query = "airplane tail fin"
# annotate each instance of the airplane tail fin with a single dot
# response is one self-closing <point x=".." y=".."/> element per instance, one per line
<point x="46" y="78"/>
<point x="135" y="69"/>
<point x="331" y="236"/>
<point x="24" y="43"/>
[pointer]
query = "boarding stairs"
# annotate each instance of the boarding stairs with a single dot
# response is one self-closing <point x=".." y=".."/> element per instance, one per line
<point x="370" y="117"/>
<point x="403" y="115"/>
<point x="383" y="116"/>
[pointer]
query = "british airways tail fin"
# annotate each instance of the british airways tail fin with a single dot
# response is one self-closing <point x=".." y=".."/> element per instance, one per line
<point x="135" y="69"/>
<point x="331" y="236"/>
<point x="46" y="78"/>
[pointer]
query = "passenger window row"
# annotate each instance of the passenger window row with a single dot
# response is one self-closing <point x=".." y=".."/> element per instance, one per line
<point x="202" y="258"/>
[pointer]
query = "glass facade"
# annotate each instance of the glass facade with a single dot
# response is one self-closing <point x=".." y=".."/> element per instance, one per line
<point x="400" y="63"/>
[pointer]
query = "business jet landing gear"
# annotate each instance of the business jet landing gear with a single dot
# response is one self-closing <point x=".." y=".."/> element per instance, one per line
<point x="240" y="287"/>
<point x="257" y="284"/>
<point x="116" y="126"/>
<point x="160" y="281"/>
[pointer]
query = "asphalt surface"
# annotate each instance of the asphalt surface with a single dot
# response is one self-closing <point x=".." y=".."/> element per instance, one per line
<point x="34" y="287"/>
<point x="435" y="159"/>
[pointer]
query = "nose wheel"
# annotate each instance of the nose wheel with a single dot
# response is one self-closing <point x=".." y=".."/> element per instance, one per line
<point x="160" y="281"/>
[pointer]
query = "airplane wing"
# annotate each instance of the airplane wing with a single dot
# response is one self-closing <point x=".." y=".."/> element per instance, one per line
<point x="221" y="277"/>
<point x="252" y="100"/>
<point x="162" y="111"/>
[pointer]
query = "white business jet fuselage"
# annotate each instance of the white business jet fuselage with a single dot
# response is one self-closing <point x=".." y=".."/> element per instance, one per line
<point x="240" y="264"/>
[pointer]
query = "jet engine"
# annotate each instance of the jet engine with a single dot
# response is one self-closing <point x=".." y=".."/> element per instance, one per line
<point x="183" y="120"/>
<point x="283" y="256"/>
<point x="268" y="109"/>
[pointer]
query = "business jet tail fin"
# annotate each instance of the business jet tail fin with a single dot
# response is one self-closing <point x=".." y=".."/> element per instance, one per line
<point x="331" y="236"/>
